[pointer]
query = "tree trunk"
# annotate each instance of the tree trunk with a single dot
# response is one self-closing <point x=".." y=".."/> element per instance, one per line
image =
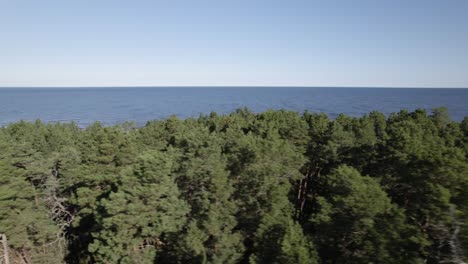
<point x="6" y="250"/>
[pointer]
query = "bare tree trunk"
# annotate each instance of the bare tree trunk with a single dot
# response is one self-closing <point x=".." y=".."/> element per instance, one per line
<point x="25" y="257"/>
<point x="6" y="250"/>
<point x="453" y="242"/>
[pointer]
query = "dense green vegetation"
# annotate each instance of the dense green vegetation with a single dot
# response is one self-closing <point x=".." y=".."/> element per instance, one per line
<point x="273" y="187"/>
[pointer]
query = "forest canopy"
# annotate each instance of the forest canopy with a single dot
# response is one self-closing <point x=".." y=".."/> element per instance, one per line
<point x="271" y="187"/>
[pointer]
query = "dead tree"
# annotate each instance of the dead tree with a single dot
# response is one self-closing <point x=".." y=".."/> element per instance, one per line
<point x="6" y="250"/>
<point x="58" y="210"/>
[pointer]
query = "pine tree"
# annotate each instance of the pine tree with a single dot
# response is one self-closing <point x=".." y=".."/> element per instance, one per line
<point x="137" y="216"/>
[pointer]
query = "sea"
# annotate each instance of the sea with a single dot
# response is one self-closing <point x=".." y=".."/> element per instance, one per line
<point x="115" y="105"/>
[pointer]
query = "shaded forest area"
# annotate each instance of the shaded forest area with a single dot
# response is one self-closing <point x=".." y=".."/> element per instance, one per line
<point x="272" y="187"/>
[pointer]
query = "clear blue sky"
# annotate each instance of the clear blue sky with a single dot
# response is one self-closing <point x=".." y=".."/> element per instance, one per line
<point x="407" y="43"/>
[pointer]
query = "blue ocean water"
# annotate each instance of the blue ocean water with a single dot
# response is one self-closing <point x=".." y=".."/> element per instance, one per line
<point x="117" y="105"/>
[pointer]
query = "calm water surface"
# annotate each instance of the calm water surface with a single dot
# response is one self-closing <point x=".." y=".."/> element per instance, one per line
<point x="117" y="105"/>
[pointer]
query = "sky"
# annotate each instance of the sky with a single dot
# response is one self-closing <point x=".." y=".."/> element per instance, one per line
<point x="364" y="43"/>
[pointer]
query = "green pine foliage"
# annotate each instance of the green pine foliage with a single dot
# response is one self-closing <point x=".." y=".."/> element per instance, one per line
<point x="271" y="187"/>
